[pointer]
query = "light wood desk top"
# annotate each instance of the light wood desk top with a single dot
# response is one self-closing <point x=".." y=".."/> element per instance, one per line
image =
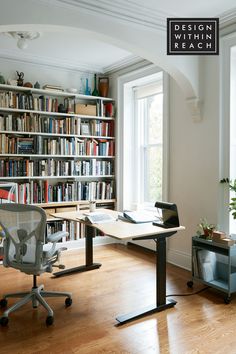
<point x="119" y="229"/>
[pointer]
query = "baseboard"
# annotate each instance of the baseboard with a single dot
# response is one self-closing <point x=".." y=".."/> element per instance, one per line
<point x="180" y="259"/>
<point x="139" y="248"/>
<point x="78" y="244"/>
<point x="147" y="244"/>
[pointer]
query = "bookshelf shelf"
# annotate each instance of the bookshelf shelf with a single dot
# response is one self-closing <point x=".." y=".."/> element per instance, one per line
<point x="59" y="160"/>
<point x="14" y="132"/>
<point x="93" y="177"/>
<point x="55" y="114"/>
<point x="74" y="203"/>
<point x="32" y="156"/>
<point x="53" y="93"/>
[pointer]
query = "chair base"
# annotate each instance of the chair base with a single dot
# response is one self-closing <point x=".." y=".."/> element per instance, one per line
<point x="37" y="296"/>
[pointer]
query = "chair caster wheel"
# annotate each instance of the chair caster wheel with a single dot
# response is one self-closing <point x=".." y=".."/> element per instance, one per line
<point x="190" y="284"/>
<point x="4" y="321"/>
<point x="49" y="320"/>
<point x="227" y="300"/>
<point x="68" y="301"/>
<point x="3" y="303"/>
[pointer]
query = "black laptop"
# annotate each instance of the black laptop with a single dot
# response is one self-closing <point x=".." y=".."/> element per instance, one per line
<point x="168" y="215"/>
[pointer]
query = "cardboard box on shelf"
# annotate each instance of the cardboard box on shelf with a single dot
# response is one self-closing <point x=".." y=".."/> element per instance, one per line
<point x="218" y="235"/>
<point x="226" y="241"/>
<point x="86" y="109"/>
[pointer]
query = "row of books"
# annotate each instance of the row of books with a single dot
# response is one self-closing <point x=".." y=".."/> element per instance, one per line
<point x="97" y="128"/>
<point x="55" y="146"/>
<point x="51" y="167"/>
<point x="54" y="125"/>
<point x="59" y="225"/>
<point x="43" y="192"/>
<point x="20" y="100"/>
<point x="105" y="109"/>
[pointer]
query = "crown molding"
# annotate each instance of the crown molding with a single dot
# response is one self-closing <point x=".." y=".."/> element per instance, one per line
<point x="121" y="64"/>
<point x="121" y="10"/>
<point x="24" y="57"/>
<point x="227" y="17"/>
<point x="129" y="11"/>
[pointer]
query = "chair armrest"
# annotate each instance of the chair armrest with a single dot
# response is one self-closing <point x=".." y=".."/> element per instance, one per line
<point x="57" y="236"/>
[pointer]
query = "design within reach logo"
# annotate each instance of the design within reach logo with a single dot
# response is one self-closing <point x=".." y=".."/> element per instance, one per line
<point x="193" y="36"/>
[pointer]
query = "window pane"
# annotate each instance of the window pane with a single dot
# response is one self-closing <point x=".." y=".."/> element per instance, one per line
<point x="155" y="113"/>
<point x="153" y="174"/>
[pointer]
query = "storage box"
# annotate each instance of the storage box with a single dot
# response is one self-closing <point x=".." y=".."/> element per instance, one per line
<point x="218" y="235"/>
<point x="226" y="241"/>
<point x="86" y="109"/>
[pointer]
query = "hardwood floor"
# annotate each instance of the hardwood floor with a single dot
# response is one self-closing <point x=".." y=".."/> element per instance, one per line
<point x="200" y="323"/>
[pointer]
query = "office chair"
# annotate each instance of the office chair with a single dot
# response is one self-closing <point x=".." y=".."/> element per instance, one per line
<point x="23" y="227"/>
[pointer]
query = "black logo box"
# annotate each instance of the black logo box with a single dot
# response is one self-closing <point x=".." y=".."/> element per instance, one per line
<point x="193" y="36"/>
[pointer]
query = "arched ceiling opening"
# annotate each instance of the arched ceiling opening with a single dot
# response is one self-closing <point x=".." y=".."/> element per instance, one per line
<point x="80" y="24"/>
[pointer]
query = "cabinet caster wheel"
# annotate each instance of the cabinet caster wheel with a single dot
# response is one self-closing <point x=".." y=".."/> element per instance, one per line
<point x="49" y="320"/>
<point x="190" y="284"/>
<point x="4" y="321"/>
<point x="227" y="300"/>
<point x="68" y="301"/>
<point x="3" y="303"/>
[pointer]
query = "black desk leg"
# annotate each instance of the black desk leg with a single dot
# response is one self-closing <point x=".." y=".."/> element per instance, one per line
<point x="89" y="265"/>
<point x="161" y="302"/>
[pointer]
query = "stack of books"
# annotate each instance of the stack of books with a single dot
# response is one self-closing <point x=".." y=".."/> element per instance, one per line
<point x="49" y="87"/>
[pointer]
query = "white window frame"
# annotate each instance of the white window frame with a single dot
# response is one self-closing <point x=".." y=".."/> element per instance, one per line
<point x="125" y="119"/>
<point x="141" y="138"/>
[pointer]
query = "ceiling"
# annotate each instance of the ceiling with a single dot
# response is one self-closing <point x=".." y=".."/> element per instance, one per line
<point x="66" y="49"/>
<point x="78" y="51"/>
<point x="187" y="8"/>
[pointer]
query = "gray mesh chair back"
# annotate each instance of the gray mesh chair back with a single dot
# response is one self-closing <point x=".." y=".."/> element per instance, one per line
<point x="24" y="227"/>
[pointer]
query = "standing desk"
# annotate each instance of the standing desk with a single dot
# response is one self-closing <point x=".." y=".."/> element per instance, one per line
<point x="122" y="230"/>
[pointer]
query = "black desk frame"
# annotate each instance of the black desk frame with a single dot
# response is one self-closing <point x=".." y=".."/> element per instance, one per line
<point x="161" y="302"/>
<point x="89" y="265"/>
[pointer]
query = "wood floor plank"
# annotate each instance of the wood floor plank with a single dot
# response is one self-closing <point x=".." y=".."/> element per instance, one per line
<point x="200" y="324"/>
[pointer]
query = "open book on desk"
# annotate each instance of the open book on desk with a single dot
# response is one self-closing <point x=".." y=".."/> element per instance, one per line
<point x="97" y="217"/>
<point x="138" y="217"/>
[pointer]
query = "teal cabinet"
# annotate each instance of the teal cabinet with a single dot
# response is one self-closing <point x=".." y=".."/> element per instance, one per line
<point x="214" y="264"/>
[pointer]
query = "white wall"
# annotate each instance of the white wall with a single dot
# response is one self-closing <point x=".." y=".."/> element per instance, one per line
<point x="194" y="160"/>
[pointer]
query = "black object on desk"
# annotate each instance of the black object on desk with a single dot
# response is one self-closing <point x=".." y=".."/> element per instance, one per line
<point x="169" y="215"/>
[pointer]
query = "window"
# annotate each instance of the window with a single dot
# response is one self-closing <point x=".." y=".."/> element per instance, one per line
<point x="143" y="133"/>
<point x="148" y="101"/>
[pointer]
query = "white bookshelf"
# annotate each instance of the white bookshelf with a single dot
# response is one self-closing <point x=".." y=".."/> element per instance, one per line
<point x="103" y="179"/>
